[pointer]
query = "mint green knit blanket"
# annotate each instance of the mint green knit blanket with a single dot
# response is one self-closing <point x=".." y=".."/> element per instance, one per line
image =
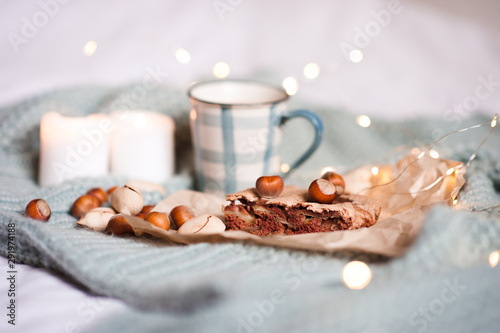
<point x="443" y="283"/>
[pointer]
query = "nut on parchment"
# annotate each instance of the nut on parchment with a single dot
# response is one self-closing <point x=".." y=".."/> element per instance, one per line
<point x="180" y="215"/>
<point x="127" y="200"/>
<point x="97" y="219"/>
<point x="118" y="225"/>
<point x="158" y="219"/>
<point x="203" y="224"/>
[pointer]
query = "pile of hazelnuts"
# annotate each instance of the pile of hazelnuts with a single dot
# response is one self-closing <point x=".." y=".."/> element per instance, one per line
<point x="91" y="212"/>
<point x="123" y="199"/>
<point x="323" y="190"/>
<point x="90" y="209"/>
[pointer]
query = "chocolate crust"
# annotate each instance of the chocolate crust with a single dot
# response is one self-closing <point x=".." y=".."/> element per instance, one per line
<point x="296" y="197"/>
<point x="291" y="213"/>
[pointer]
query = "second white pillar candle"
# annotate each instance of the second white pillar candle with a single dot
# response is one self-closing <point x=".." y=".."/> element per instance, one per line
<point x="142" y="146"/>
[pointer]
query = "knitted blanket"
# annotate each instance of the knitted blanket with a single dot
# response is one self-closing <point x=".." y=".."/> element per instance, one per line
<point x="442" y="283"/>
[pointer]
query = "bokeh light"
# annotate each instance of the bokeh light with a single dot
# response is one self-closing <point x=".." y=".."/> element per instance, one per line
<point x="182" y="56"/>
<point x="89" y="48"/>
<point x="363" y="121"/>
<point x="356" y="275"/>
<point x="356" y="56"/>
<point x="291" y="85"/>
<point x="311" y="70"/>
<point x="327" y="169"/>
<point x="433" y="154"/>
<point x="221" y="70"/>
<point x="494" y="258"/>
<point x="285" y="168"/>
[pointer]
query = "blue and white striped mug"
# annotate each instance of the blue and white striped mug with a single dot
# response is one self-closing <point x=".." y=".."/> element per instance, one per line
<point x="236" y="128"/>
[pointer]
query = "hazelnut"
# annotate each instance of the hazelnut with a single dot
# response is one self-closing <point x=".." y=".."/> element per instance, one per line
<point x="158" y="219"/>
<point x="98" y="193"/>
<point x="336" y="180"/>
<point x="97" y="219"/>
<point x="83" y="205"/>
<point x="38" y="209"/>
<point x="127" y="200"/>
<point x="146" y="209"/>
<point x="118" y="225"/>
<point x="269" y="186"/>
<point x="203" y="224"/>
<point x="111" y="190"/>
<point x="322" y="191"/>
<point x="180" y="215"/>
<point x="141" y="215"/>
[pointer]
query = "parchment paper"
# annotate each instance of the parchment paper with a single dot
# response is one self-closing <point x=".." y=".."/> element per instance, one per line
<point x="404" y="204"/>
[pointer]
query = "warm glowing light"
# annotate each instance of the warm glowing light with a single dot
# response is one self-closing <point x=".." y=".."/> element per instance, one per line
<point x="89" y="48"/>
<point x="421" y="155"/>
<point x="221" y="70"/>
<point x="363" y="121"/>
<point x="327" y="169"/>
<point x="433" y="154"/>
<point x="356" y="56"/>
<point x="291" y="85"/>
<point x="494" y="258"/>
<point x="311" y="70"/>
<point x="285" y="168"/>
<point x="182" y="56"/>
<point x="455" y="201"/>
<point x="356" y="275"/>
<point x="494" y="122"/>
<point x="450" y="171"/>
<point x="193" y="114"/>
<point x="415" y="151"/>
<point x="374" y="171"/>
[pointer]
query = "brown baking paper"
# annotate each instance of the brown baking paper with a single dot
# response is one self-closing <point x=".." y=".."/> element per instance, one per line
<point x="404" y="202"/>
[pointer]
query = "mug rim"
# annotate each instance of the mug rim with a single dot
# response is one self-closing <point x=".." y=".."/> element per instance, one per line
<point x="268" y="85"/>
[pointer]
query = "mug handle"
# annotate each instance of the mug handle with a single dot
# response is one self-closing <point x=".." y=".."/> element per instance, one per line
<point x="318" y="128"/>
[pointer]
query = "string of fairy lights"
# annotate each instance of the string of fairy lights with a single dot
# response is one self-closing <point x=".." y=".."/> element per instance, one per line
<point x="434" y="154"/>
<point x="356" y="274"/>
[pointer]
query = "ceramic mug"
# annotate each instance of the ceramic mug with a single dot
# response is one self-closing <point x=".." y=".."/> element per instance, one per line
<point x="236" y="128"/>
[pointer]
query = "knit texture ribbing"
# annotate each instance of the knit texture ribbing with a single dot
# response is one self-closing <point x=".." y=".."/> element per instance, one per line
<point x="185" y="287"/>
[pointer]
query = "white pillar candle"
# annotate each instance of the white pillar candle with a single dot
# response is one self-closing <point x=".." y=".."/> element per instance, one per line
<point x="72" y="147"/>
<point x="142" y="146"/>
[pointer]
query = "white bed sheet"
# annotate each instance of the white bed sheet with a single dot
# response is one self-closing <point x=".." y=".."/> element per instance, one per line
<point x="48" y="303"/>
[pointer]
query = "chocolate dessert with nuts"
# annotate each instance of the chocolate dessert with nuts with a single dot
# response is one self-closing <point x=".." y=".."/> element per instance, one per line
<point x="294" y="211"/>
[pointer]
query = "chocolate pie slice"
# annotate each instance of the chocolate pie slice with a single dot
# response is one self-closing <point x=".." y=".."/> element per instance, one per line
<point x="291" y="213"/>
